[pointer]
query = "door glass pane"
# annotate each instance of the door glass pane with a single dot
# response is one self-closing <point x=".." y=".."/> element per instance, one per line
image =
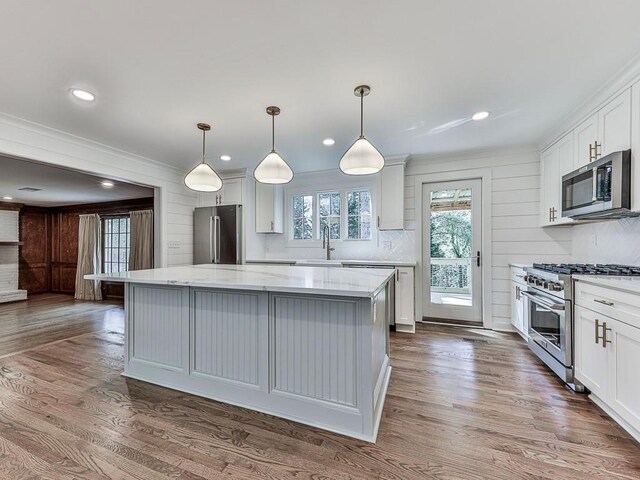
<point x="450" y="247"/>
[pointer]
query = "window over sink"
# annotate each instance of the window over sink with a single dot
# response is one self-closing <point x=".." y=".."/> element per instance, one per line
<point x="347" y="212"/>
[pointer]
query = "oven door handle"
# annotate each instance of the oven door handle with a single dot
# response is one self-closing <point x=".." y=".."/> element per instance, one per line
<point x="548" y="305"/>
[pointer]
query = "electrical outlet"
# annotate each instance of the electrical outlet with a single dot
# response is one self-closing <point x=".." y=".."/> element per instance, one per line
<point x="173" y="244"/>
<point x="594" y="240"/>
<point x="387" y="245"/>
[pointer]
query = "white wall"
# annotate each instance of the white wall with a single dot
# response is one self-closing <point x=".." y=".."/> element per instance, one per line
<point x="615" y="241"/>
<point x="516" y="236"/>
<point x="174" y="202"/>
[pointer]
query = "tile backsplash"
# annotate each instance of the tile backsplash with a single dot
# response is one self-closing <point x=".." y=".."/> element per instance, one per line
<point x="615" y="241"/>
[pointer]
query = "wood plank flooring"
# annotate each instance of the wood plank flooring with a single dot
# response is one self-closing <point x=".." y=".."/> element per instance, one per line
<point x="462" y="404"/>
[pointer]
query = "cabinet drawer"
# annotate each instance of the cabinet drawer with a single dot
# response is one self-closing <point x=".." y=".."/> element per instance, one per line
<point x="623" y="306"/>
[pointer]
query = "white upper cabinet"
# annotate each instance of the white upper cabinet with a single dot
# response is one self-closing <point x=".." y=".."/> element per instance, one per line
<point x="269" y="208"/>
<point x="231" y="193"/>
<point x="614" y="125"/>
<point x="608" y="130"/>
<point x="555" y="161"/>
<point x="391" y="198"/>
<point x="586" y="135"/>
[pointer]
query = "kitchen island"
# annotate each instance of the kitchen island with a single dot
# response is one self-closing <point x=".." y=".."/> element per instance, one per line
<point x="310" y="344"/>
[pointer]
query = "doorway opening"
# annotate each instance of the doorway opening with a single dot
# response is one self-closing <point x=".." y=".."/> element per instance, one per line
<point x="452" y="235"/>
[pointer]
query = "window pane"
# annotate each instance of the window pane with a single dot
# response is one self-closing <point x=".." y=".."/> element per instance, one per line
<point x="335" y="204"/>
<point x="359" y="219"/>
<point x="324" y="204"/>
<point x="302" y="217"/>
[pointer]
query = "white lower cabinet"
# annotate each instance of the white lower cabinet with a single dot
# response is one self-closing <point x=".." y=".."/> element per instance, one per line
<point x="519" y="317"/>
<point x="405" y="298"/>
<point x="607" y="351"/>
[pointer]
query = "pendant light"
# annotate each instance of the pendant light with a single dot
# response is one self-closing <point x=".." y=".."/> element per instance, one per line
<point x="273" y="169"/>
<point x="203" y="178"/>
<point x="362" y="158"/>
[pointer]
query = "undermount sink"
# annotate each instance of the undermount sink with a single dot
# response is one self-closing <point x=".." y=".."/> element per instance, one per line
<point x="320" y="263"/>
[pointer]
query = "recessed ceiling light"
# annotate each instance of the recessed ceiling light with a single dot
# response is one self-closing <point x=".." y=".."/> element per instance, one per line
<point x="225" y="158"/>
<point x="107" y="184"/>
<point x="328" y="142"/>
<point x="83" y="95"/>
<point x="7" y="197"/>
<point x="479" y="116"/>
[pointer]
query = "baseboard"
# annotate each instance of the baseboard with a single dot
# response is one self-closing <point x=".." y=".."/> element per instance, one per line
<point x="617" y="418"/>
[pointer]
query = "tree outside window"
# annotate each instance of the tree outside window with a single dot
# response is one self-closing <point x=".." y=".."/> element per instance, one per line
<point x="329" y="214"/>
<point x="359" y="215"/>
<point x="303" y="217"/>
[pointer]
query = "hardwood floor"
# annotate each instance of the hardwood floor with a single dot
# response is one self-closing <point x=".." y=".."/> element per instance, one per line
<point x="462" y="404"/>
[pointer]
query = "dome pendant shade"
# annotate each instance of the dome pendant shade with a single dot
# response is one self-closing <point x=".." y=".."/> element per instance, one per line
<point x="362" y="158"/>
<point x="203" y="179"/>
<point x="273" y="170"/>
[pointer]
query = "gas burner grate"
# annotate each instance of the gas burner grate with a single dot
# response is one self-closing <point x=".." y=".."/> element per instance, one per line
<point x="588" y="269"/>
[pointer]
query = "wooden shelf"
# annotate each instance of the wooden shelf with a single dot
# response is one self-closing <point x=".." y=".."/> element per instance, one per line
<point x="10" y="244"/>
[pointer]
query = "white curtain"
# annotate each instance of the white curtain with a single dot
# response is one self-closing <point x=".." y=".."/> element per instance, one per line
<point x="89" y="258"/>
<point x="141" y="250"/>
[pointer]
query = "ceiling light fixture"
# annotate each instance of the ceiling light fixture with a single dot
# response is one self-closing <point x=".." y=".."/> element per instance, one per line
<point x="273" y="169"/>
<point x="225" y="158"/>
<point x="479" y="116"/>
<point x="7" y="197"/>
<point x="203" y="178"/>
<point x="362" y="158"/>
<point x="107" y="184"/>
<point x="83" y="95"/>
<point x="328" y="142"/>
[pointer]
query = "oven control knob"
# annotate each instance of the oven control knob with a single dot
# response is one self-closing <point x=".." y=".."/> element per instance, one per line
<point x="556" y="287"/>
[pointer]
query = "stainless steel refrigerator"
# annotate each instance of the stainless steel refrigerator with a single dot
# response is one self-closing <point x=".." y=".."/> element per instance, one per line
<point x="217" y="234"/>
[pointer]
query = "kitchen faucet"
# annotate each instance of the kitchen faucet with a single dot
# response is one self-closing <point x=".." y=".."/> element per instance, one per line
<point x="326" y="241"/>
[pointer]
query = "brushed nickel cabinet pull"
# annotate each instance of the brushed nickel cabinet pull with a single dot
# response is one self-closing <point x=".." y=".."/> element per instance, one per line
<point x="597" y="324"/>
<point x="603" y="302"/>
<point x="604" y="335"/>
<point x="597" y="153"/>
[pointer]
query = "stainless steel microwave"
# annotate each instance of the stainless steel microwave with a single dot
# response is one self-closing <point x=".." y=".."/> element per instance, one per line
<point x="601" y="189"/>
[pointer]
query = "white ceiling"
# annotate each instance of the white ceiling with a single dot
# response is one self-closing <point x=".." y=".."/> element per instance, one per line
<point x="59" y="186"/>
<point x="160" y="66"/>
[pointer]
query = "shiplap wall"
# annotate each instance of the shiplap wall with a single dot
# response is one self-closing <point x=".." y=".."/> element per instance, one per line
<point x="515" y="206"/>
<point x="174" y="202"/>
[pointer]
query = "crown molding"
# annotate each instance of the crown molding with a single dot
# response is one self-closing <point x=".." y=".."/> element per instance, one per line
<point x="620" y="81"/>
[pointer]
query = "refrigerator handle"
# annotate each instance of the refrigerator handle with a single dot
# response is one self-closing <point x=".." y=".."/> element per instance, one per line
<point x="211" y="241"/>
<point x="216" y="242"/>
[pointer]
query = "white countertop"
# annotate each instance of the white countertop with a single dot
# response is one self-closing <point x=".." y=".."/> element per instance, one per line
<point x="336" y="263"/>
<point x="272" y="278"/>
<point x="519" y="265"/>
<point x="629" y="284"/>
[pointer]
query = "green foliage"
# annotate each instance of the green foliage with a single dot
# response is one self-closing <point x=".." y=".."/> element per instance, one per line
<point x="451" y="234"/>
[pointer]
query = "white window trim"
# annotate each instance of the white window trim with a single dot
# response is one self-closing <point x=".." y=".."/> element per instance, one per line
<point x="326" y="182"/>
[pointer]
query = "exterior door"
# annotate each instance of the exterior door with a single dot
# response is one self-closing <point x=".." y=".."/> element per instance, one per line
<point x="452" y="257"/>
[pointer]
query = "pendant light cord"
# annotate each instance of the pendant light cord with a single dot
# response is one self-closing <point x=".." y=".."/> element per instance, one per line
<point x="203" y="145"/>
<point x="361" y="112"/>
<point x="273" y="133"/>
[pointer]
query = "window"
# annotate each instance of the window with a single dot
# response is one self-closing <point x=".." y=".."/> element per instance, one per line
<point x="359" y="215"/>
<point x="115" y="243"/>
<point x="302" y="217"/>
<point x="347" y="213"/>
<point x="329" y="214"/>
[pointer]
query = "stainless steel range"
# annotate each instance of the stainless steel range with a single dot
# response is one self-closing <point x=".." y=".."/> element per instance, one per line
<point x="550" y="309"/>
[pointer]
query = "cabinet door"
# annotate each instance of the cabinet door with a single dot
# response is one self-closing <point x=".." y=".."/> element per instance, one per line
<point x="516" y="306"/>
<point x="269" y="208"/>
<point x="623" y="393"/>
<point x="590" y="357"/>
<point x="586" y="134"/>
<point x="231" y="192"/>
<point x="391" y="203"/>
<point x="614" y="125"/>
<point x="550" y="190"/>
<point x="404" y="296"/>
